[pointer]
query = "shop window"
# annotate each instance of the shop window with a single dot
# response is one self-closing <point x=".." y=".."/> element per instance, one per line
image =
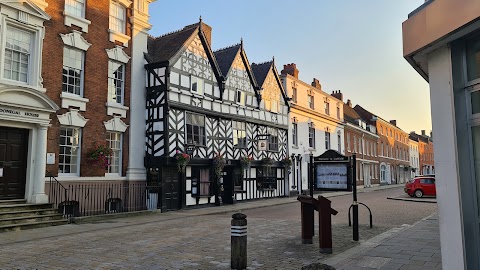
<point x="201" y="182"/>
<point x="266" y="178"/>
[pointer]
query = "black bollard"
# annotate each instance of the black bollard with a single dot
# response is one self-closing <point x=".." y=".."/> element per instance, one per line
<point x="239" y="241"/>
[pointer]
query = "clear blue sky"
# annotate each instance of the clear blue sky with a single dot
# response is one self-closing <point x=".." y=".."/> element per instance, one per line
<point x="351" y="45"/>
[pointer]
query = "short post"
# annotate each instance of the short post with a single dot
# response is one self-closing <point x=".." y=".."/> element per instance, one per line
<point x="307" y="218"/>
<point x="239" y="241"/>
<point x="325" y="213"/>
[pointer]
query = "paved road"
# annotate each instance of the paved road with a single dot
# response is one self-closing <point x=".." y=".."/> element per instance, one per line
<point x="183" y="241"/>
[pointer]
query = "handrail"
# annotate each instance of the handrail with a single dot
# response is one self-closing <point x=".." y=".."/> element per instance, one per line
<point x="56" y="180"/>
<point x="54" y="197"/>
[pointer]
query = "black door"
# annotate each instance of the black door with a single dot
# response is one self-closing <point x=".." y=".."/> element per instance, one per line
<point x="171" y="189"/>
<point x="232" y="179"/>
<point x="13" y="162"/>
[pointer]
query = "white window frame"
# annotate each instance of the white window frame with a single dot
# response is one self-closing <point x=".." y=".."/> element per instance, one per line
<point x="79" y="151"/>
<point x="118" y="151"/>
<point x="114" y="17"/>
<point x="348" y="142"/>
<point x="327" y="107"/>
<point x="311" y="135"/>
<point x="239" y="131"/>
<point x="295" y="134"/>
<point x="82" y="73"/>
<point x="240" y="97"/>
<point x="112" y="86"/>
<point x="75" y="7"/>
<point x="328" y="141"/>
<point x="198" y="82"/>
<point x="294" y="94"/>
<point x="311" y="102"/>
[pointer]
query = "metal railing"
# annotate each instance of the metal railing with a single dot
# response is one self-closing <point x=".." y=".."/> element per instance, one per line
<point x="98" y="198"/>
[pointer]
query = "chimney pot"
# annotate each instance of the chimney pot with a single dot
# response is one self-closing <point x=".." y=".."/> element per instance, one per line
<point x="338" y="94"/>
<point x="290" y="69"/>
<point x="393" y="122"/>
<point x="316" y="84"/>
<point x="423" y="132"/>
<point x="349" y="103"/>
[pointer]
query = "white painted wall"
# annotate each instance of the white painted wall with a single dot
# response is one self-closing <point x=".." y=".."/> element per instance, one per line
<point x="414" y="157"/>
<point x="445" y="147"/>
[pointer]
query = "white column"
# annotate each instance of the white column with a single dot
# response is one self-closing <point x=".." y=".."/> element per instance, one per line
<point x="38" y="194"/>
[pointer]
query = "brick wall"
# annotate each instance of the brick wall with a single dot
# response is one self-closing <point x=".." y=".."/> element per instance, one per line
<point x="95" y="78"/>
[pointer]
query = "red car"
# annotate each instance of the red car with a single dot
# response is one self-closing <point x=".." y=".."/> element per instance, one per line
<point x="421" y="186"/>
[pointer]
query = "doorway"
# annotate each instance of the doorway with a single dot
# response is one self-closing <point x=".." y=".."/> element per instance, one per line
<point x="13" y="163"/>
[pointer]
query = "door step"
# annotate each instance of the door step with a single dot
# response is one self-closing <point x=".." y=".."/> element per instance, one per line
<point x="19" y="201"/>
<point x="32" y="225"/>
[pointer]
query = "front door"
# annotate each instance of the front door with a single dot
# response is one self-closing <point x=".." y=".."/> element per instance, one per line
<point x="13" y="163"/>
<point x="171" y="189"/>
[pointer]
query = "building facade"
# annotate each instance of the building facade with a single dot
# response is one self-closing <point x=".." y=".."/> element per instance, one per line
<point x="361" y="139"/>
<point x="414" y="156"/>
<point x="425" y="153"/>
<point x="315" y="124"/>
<point x="221" y="108"/>
<point x="392" y="148"/>
<point x="445" y="53"/>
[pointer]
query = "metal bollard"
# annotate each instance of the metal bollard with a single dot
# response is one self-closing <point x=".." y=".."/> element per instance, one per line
<point x="239" y="241"/>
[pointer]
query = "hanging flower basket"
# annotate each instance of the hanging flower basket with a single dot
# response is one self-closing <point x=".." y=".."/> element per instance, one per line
<point x="99" y="155"/>
<point x="182" y="160"/>
<point x="287" y="162"/>
<point x="267" y="161"/>
<point x="218" y="164"/>
<point x="245" y="162"/>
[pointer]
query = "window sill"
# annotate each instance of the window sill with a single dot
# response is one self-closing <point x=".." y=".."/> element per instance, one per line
<point x="295" y="147"/>
<point x="78" y="21"/>
<point x="115" y="108"/>
<point x="72" y="100"/>
<point x="117" y="36"/>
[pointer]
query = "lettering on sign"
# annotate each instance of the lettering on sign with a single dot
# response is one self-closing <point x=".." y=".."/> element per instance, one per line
<point x="19" y="113"/>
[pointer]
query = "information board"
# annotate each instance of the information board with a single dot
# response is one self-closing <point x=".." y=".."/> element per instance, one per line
<point x="331" y="176"/>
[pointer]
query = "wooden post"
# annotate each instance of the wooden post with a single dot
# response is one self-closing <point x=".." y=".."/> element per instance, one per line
<point x="239" y="241"/>
<point x="307" y="218"/>
<point x="325" y="213"/>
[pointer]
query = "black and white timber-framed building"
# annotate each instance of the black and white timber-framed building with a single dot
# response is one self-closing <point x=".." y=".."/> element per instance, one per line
<point x="214" y="103"/>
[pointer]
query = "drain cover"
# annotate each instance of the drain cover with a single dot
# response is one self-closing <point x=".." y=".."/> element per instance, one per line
<point x="372" y="262"/>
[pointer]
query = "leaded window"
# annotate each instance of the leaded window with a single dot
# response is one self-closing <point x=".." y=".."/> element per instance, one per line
<point x="72" y="71"/>
<point x="273" y="139"/>
<point x="69" y="152"/>
<point x="75" y="7"/>
<point x="195" y="126"/>
<point x="117" y="17"/>
<point x="17" y="54"/>
<point x="239" y="134"/>
<point x="116" y="81"/>
<point x="114" y="142"/>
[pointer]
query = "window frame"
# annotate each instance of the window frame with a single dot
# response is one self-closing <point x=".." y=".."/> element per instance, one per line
<point x="295" y="134"/>
<point x="122" y="94"/>
<point x="119" y="151"/>
<point x="73" y="14"/>
<point x="241" y="94"/>
<point x="32" y="57"/>
<point x="311" y="135"/>
<point x="204" y="136"/>
<point x="328" y="140"/>
<point x="294" y="94"/>
<point x="239" y="127"/>
<point x="273" y="140"/>
<point x="82" y="73"/>
<point x="195" y="79"/>
<point x="326" y="106"/>
<point x="196" y="182"/>
<point x="78" y="151"/>
<point x="124" y="19"/>
<point x="311" y="102"/>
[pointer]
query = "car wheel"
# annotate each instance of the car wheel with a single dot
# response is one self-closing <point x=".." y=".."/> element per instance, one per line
<point x="418" y="193"/>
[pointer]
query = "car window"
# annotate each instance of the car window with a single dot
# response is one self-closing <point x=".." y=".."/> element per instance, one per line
<point x="423" y="181"/>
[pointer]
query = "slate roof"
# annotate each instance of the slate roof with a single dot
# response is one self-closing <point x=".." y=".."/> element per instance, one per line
<point x="225" y="57"/>
<point x="165" y="47"/>
<point x="366" y="115"/>
<point x="260" y="71"/>
<point x="350" y="115"/>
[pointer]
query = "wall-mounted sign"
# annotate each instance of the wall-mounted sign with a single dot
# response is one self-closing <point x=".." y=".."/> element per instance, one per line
<point x="50" y="158"/>
<point x="18" y="113"/>
<point x="262" y="145"/>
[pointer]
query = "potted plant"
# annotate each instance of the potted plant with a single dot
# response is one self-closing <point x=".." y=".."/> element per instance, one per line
<point x="99" y="155"/>
<point x="287" y="162"/>
<point x="245" y="162"/>
<point x="182" y="160"/>
<point x="218" y="164"/>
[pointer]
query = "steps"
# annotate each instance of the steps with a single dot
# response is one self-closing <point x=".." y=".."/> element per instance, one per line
<point x="18" y="215"/>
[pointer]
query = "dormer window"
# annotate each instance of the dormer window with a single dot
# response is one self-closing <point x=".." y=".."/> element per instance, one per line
<point x="75" y="8"/>
<point x="196" y="85"/>
<point x="240" y="97"/>
<point x="117" y="17"/>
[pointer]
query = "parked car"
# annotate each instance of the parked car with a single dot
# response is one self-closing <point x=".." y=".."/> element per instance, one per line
<point x="421" y="186"/>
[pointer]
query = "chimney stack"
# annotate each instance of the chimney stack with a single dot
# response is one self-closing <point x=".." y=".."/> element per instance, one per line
<point x="349" y="103"/>
<point x="290" y="69"/>
<point x="423" y="132"/>
<point x="393" y="122"/>
<point x="316" y="84"/>
<point x="337" y="94"/>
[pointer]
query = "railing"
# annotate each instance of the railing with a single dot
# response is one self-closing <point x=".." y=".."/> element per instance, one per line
<point x="98" y="198"/>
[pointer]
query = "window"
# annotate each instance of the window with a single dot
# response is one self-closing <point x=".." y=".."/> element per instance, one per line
<point x="72" y="71"/>
<point x="266" y="178"/>
<point x="294" y="95"/>
<point x="383" y="173"/>
<point x="201" y="184"/>
<point x="311" y="104"/>
<point x="75" y="7"/>
<point x="274" y="106"/>
<point x="117" y="17"/>
<point x="360" y="145"/>
<point x="348" y="142"/>
<point x="374" y="149"/>
<point x="114" y="142"/>
<point x="17" y="54"/>
<point x="116" y="81"/>
<point x="273" y="139"/>
<point x="338" y="113"/>
<point x="339" y="142"/>
<point x="381" y="149"/>
<point x="239" y="134"/>
<point x="195" y="129"/>
<point x="196" y="85"/>
<point x="69" y="154"/>
<point x="327" y="140"/>
<point x="355" y="144"/>
<point x="295" y="134"/>
<point x="327" y="108"/>
<point x="240" y="97"/>
<point x="311" y="135"/>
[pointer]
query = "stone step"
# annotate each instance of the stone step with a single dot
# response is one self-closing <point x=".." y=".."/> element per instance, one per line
<point x="22" y="213"/>
<point x="32" y="225"/>
<point x="10" y="202"/>
<point x="20" y="207"/>
<point x="29" y="219"/>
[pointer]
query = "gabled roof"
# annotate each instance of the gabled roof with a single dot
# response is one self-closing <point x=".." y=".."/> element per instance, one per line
<point x="163" y="48"/>
<point x="366" y="115"/>
<point x="226" y="56"/>
<point x="350" y="115"/>
<point x="261" y="71"/>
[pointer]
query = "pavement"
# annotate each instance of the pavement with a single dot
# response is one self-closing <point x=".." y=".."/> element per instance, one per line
<point x="200" y="239"/>
<point x="405" y="197"/>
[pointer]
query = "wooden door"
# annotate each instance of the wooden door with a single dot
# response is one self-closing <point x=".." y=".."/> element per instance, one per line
<point x="171" y="189"/>
<point x="13" y="162"/>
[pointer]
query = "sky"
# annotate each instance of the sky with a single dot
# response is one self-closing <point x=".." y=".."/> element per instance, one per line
<point x="350" y="45"/>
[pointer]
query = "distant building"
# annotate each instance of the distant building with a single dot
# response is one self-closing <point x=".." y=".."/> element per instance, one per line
<point x="414" y="156"/>
<point x="393" y="148"/>
<point x="425" y="153"/>
<point x="361" y="139"/>
<point x="315" y="124"/>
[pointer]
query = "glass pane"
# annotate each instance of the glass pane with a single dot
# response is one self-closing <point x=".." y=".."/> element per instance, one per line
<point x="473" y="59"/>
<point x="475" y="97"/>
<point x="476" y="153"/>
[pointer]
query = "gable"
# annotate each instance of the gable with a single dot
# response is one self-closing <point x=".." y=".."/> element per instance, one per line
<point x="24" y="8"/>
<point x="238" y="77"/>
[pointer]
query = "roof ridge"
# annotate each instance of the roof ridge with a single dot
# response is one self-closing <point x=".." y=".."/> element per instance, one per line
<point x="263" y="63"/>
<point x="188" y="27"/>
<point x="228" y="47"/>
